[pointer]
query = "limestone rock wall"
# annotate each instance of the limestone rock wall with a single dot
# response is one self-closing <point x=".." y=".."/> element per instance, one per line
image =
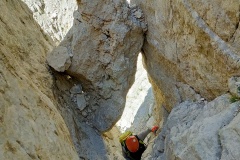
<point x="88" y="141"/>
<point x="101" y="51"/>
<point x="55" y="17"/>
<point x="31" y="126"/>
<point x="191" y="48"/>
<point x="190" y="52"/>
<point x="200" y="130"/>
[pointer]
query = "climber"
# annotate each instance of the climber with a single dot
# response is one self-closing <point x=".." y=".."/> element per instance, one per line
<point x="133" y="145"/>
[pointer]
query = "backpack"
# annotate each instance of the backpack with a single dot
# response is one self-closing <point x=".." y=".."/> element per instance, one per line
<point x="124" y="136"/>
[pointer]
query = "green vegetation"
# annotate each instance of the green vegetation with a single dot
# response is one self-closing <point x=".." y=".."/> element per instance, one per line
<point x="234" y="99"/>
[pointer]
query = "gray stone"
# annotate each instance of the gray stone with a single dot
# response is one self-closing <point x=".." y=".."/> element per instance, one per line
<point x="234" y="86"/>
<point x="84" y="114"/>
<point x="199" y="131"/>
<point x="104" y="43"/>
<point x="230" y="139"/>
<point x="81" y="102"/>
<point x="76" y="89"/>
<point x="59" y="59"/>
<point x="138" y="14"/>
<point x="55" y="17"/>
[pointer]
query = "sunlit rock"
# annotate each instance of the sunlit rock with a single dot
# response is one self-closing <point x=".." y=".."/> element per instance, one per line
<point x="104" y="43"/>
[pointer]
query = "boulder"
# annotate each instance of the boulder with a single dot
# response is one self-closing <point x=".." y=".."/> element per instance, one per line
<point x="104" y="43"/>
<point x="60" y="59"/>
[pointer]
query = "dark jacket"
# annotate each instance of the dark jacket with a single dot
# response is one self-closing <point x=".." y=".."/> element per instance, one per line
<point x="136" y="155"/>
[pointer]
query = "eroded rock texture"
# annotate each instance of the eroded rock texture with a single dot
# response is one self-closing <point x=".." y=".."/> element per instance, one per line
<point x="102" y="47"/>
<point x="191" y="48"/>
<point x="190" y="51"/>
<point x="200" y="130"/>
<point x="30" y="125"/>
<point x="55" y="17"/>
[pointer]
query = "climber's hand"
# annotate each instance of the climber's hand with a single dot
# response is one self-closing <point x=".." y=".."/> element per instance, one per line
<point x="154" y="129"/>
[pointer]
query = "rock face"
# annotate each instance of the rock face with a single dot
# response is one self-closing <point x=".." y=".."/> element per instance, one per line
<point x="103" y="46"/>
<point x="195" y="130"/>
<point x="89" y="142"/>
<point x="55" y="17"/>
<point x="31" y="126"/>
<point x="194" y="43"/>
<point x="191" y="54"/>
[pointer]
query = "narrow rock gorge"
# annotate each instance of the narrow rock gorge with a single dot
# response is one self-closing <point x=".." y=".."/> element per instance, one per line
<point x="67" y="68"/>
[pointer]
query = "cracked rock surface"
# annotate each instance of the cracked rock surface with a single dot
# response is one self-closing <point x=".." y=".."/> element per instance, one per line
<point x="190" y="42"/>
<point x="195" y="130"/>
<point x="55" y="17"/>
<point x="191" y="53"/>
<point x="103" y="45"/>
<point x="31" y="127"/>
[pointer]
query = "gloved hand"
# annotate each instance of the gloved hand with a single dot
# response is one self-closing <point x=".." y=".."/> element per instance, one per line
<point x="154" y="129"/>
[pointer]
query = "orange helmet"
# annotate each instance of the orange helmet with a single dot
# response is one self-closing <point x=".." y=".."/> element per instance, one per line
<point x="132" y="144"/>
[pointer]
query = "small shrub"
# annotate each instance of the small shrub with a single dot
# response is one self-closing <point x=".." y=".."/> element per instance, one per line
<point x="234" y="99"/>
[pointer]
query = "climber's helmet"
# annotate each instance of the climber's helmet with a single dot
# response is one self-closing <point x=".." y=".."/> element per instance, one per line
<point x="132" y="144"/>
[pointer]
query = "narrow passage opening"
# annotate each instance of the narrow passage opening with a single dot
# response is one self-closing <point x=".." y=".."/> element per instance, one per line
<point x="139" y="102"/>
